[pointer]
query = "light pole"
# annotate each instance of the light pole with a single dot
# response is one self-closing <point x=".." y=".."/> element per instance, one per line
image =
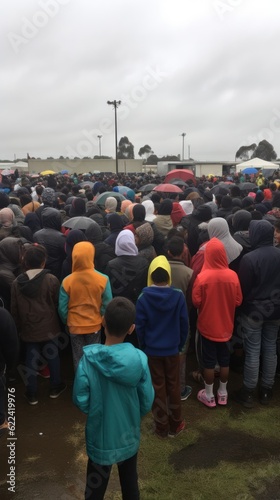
<point x="99" y="139"/>
<point x="116" y="104"/>
<point x="183" y="145"/>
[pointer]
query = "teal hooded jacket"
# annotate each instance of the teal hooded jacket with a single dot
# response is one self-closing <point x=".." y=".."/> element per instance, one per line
<point x="113" y="387"/>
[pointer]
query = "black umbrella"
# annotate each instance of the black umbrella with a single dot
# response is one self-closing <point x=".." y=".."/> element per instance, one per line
<point x="218" y="189"/>
<point x="81" y="223"/>
<point x="247" y="186"/>
<point x="179" y="182"/>
<point x="147" y="188"/>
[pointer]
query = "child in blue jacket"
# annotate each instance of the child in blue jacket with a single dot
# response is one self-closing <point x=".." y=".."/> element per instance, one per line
<point x="162" y="328"/>
<point x="113" y="387"/>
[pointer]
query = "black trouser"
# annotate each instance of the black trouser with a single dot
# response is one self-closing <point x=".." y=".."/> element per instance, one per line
<point x="98" y="477"/>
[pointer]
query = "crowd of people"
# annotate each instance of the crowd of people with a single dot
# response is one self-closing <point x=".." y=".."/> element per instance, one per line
<point x="162" y="273"/>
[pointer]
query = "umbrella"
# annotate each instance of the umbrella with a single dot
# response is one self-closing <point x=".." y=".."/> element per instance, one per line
<point x="101" y="198"/>
<point x="87" y="183"/>
<point x="168" y="188"/>
<point x="126" y="191"/>
<point x="249" y="170"/>
<point x="180" y="173"/>
<point x="64" y="172"/>
<point x="222" y="189"/>
<point x="147" y="188"/>
<point x="47" y="172"/>
<point x="6" y="171"/>
<point x="81" y="223"/>
<point x="247" y="186"/>
<point x="179" y="182"/>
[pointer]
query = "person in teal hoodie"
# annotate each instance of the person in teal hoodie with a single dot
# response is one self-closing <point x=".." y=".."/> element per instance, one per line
<point x="113" y="387"/>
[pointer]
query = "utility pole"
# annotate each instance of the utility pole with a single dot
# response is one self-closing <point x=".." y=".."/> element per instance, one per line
<point x="115" y="105"/>
<point x="99" y="139"/>
<point x="183" y="145"/>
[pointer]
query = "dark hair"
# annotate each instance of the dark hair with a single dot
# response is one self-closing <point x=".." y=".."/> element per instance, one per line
<point x="119" y="316"/>
<point x="4" y="200"/>
<point x="25" y="199"/>
<point x="175" y="246"/>
<point x="160" y="275"/>
<point x="34" y="256"/>
<point x="277" y="225"/>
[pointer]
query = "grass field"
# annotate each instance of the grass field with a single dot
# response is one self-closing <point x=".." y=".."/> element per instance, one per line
<point x="224" y="453"/>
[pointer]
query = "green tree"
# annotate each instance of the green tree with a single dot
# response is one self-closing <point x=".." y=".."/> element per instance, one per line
<point x="152" y="160"/>
<point x="265" y="151"/>
<point x="125" y="149"/>
<point x="145" y="152"/>
<point x="245" y="152"/>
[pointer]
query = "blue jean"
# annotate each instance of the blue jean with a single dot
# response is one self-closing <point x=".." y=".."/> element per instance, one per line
<point x="34" y="352"/>
<point x="259" y="339"/>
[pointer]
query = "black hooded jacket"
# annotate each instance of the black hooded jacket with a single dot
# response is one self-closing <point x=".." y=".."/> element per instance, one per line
<point x="259" y="274"/>
<point x="52" y="239"/>
<point x="103" y="252"/>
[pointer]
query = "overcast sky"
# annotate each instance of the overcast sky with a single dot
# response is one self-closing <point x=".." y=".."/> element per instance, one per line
<point x="206" y="68"/>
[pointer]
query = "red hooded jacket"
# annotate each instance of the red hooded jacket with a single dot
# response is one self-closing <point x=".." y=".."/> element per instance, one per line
<point x="216" y="293"/>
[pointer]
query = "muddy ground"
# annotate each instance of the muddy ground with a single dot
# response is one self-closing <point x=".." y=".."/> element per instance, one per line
<point x="51" y="465"/>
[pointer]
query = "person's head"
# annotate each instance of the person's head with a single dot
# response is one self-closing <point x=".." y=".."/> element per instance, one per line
<point x="119" y="318"/>
<point x="277" y="232"/>
<point x="165" y="207"/>
<point x="78" y="207"/>
<point x="159" y="272"/>
<point x="4" y="200"/>
<point x="110" y="204"/>
<point x="138" y="212"/>
<point x="25" y="199"/>
<point x="48" y="196"/>
<point x="7" y="217"/>
<point x="35" y="257"/>
<point x="175" y="247"/>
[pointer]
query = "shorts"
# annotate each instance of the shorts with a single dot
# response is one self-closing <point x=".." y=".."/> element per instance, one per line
<point x="214" y="352"/>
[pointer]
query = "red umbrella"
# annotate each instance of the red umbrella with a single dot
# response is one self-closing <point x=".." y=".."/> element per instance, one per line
<point x="168" y="188"/>
<point x="180" y="173"/>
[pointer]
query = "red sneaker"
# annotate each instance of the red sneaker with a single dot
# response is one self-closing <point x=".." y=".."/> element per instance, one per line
<point x="178" y="431"/>
<point x="44" y="372"/>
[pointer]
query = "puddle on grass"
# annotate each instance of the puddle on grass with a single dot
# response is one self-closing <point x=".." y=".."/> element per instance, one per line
<point x="210" y="448"/>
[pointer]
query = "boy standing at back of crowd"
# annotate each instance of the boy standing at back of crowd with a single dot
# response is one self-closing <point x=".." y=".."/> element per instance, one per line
<point x="162" y="328"/>
<point x="113" y="387"/>
<point x="181" y="277"/>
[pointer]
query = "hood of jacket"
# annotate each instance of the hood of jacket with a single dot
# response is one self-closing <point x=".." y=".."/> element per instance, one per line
<point x="160" y="261"/>
<point x="51" y="218"/>
<point x="94" y="233"/>
<point x="30" y="287"/>
<point x="218" y="228"/>
<point x="83" y="256"/>
<point x="74" y="236"/>
<point x="11" y="252"/>
<point x="125" y="243"/>
<point x="215" y="256"/>
<point x="261" y="233"/>
<point x="120" y="363"/>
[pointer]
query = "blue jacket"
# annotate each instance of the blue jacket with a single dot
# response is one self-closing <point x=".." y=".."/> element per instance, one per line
<point x="161" y="320"/>
<point x="113" y="387"/>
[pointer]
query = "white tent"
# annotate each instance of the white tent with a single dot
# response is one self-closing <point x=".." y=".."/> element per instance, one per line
<point x="21" y="164"/>
<point x="256" y="163"/>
